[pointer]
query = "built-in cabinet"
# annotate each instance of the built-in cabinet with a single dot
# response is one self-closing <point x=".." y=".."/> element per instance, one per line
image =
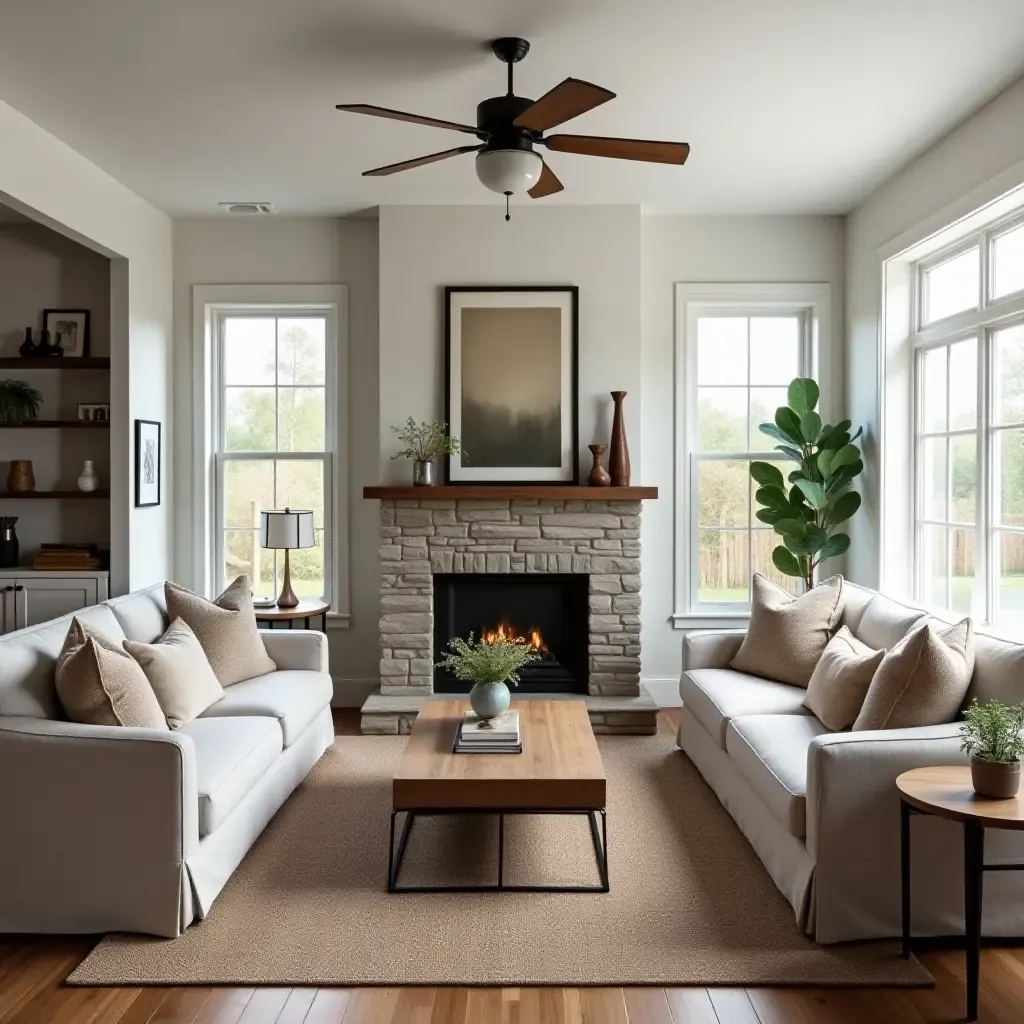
<point x="29" y="598"/>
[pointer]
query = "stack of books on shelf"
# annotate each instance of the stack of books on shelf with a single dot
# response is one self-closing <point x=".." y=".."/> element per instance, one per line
<point x="498" y="736"/>
<point x="68" y="557"/>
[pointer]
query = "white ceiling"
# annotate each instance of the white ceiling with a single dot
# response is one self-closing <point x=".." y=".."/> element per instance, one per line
<point x="791" y="106"/>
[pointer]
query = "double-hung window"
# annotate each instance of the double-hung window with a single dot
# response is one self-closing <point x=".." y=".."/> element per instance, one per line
<point x="969" y="427"/>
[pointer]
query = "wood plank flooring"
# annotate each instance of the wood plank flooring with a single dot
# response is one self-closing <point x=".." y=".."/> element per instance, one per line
<point x="33" y="969"/>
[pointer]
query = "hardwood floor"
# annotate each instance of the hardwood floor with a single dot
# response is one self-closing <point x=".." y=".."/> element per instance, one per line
<point x="33" y="969"/>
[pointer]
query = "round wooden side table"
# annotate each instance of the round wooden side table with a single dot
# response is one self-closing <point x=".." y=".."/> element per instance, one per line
<point x="307" y="608"/>
<point x="947" y="793"/>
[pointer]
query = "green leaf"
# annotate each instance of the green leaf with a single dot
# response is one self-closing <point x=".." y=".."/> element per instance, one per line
<point x="772" y="496"/>
<point x="772" y="515"/>
<point x="836" y="545"/>
<point x="793" y="453"/>
<point x="836" y="440"/>
<point x="845" y="456"/>
<point x="771" y="430"/>
<point x="810" y="427"/>
<point x="789" y="423"/>
<point x="791" y="528"/>
<point x="823" y="433"/>
<point x="814" y="492"/>
<point x="840" y="428"/>
<point x="802" y="395"/>
<point x="765" y="473"/>
<point x="798" y="545"/>
<point x="860" y="430"/>
<point x="786" y="562"/>
<point x="841" y="477"/>
<point x="816" y="539"/>
<point x="825" y="462"/>
<point x="842" y="508"/>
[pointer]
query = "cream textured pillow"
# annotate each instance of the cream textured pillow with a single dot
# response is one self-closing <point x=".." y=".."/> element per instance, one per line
<point x="179" y="673"/>
<point x="921" y="681"/>
<point x="841" y="679"/>
<point x="226" y="629"/>
<point x="787" y="634"/>
<point x="98" y="684"/>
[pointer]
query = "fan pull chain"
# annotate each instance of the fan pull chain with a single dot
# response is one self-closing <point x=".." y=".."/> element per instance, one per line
<point x="508" y="216"/>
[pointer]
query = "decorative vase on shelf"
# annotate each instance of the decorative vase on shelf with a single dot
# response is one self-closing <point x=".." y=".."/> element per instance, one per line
<point x="28" y="347"/>
<point x="21" y="479"/>
<point x="8" y="542"/>
<point x="489" y="700"/>
<point x="618" y="460"/>
<point x="423" y="473"/>
<point x="598" y="475"/>
<point x="87" y="479"/>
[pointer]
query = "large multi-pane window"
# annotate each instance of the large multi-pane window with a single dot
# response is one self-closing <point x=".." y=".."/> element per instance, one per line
<point x="274" y="414"/>
<point x="969" y="435"/>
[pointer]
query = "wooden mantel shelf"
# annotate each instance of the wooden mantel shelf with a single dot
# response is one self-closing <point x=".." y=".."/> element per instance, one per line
<point x="505" y="492"/>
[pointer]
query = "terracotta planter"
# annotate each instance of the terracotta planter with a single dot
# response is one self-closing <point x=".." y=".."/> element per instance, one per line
<point x="997" y="780"/>
<point x="21" y="479"/>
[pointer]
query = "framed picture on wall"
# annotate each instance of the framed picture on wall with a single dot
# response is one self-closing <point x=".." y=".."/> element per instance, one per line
<point x="511" y="385"/>
<point x="68" y="328"/>
<point x="147" y="463"/>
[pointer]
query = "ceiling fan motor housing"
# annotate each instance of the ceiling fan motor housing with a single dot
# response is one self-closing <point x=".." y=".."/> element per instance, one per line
<point x="495" y="117"/>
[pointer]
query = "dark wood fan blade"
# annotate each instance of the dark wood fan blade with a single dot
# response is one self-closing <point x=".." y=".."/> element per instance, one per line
<point x="401" y="115"/>
<point x="567" y="100"/>
<point x="620" y="149"/>
<point x="548" y="184"/>
<point x="431" y="158"/>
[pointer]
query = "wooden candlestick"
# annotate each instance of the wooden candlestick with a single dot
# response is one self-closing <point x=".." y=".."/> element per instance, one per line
<point x="618" y="461"/>
<point x="598" y="475"/>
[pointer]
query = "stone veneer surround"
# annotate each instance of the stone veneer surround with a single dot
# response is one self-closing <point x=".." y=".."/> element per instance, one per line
<point x="423" y="537"/>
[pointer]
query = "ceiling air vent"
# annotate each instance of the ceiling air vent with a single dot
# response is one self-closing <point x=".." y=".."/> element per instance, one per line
<point x="248" y="208"/>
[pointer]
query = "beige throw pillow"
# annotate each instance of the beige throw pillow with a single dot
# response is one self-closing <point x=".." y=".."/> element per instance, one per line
<point x="226" y="629"/>
<point x="98" y="684"/>
<point x="179" y="673"/>
<point x="787" y="634"/>
<point x="841" y="679"/>
<point x="921" y="681"/>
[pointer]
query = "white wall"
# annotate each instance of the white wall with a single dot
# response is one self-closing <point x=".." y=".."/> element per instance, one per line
<point x="48" y="181"/>
<point x="980" y="160"/>
<point x="283" y="250"/>
<point x="707" y="250"/>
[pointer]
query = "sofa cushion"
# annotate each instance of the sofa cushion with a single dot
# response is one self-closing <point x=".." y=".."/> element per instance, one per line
<point x="886" y="622"/>
<point x="294" y="698"/>
<point x="770" y="752"/>
<point x="998" y="670"/>
<point x="715" y="696"/>
<point x="841" y="679"/>
<point x="232" y="755"/>
<point x="142" y="614"/>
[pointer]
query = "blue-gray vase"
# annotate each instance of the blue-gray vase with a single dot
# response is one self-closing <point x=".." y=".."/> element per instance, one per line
<point x="489" y="700"/>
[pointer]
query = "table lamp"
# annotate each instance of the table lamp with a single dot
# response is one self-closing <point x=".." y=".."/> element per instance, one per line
<point x="283" y="530"/>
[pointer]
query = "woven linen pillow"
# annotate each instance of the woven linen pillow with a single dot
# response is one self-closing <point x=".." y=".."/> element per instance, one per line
<point x="179" y="673"/>
<point x="226" y="629"/>
<point x="921" y="681"/>
<point x="787" y="634"/>
<point x="841" y="679"/>
<point x="98" y="684"/>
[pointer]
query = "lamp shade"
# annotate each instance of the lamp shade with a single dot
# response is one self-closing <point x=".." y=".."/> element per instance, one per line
<point x="286" y="528"/>
<point x="508" y="170"/>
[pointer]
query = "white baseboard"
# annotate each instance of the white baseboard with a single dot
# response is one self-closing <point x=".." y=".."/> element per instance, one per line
<point x="664" y="690"/>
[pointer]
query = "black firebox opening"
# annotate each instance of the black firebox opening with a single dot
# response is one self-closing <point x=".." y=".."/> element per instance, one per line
<point x="548" y="610"/>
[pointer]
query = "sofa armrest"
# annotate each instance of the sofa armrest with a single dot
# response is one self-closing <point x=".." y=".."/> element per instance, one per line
<point x="301" y="649"/>
<point x="708" y="648"/>
<point x="97" y="823"/>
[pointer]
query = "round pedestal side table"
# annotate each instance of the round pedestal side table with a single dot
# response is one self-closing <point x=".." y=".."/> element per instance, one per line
<point x="285" y="618"/>
<point x="947" y="793"/>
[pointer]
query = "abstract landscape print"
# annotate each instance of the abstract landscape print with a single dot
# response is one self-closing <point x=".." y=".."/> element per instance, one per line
<point x="511" y="384"/>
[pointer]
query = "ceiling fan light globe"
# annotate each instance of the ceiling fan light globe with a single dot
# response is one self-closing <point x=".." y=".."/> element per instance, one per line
<point x="509" y="170"/>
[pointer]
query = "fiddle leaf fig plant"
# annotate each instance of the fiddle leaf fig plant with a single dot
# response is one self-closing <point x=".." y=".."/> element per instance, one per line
<point x="806" y="506"/>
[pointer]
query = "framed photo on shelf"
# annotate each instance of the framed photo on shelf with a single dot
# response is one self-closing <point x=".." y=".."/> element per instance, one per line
<point x="94" y="412"/>
<point x="68" y="328"/>
<point x="511" y="384"/>
<point x="148" y="466"/>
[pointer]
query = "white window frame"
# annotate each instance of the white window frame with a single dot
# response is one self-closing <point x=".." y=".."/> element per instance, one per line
<point x="812" y="303"/>
<point x="211" y="303"/>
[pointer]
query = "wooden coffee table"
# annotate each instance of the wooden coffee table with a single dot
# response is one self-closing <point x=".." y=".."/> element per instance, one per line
<point x="558" y="772"/>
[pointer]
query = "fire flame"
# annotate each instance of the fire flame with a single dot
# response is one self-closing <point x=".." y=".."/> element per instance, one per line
<point x="505" y="633"/>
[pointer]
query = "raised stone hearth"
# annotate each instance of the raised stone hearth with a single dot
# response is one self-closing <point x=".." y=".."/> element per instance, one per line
<point x="599" y="538"/>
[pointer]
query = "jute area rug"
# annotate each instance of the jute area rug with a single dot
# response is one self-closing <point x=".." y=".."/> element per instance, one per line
<point x="690" y="903"/>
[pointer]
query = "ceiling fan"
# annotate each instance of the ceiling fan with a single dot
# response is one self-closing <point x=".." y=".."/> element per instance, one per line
<point x="510" y="126"/>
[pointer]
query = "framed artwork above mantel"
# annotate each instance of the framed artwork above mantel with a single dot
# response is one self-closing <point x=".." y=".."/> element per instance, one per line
<point x="511" y="384"/>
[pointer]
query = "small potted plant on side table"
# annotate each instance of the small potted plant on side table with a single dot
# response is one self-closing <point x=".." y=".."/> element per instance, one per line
<point x="424" y="442"/>
<point x="992" y="735"/>
<point x="490" y="667"/>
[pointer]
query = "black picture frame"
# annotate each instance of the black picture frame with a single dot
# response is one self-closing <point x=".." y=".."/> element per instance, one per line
<point x="51" y="325"/>
<point x="144" y="496"/>
<point x="569" y="474"/>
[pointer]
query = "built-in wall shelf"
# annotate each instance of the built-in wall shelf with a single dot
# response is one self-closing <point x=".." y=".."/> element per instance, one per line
<point x="53" y="495"/>
<point x="56" y="363"/>
<point x="58" y="425"/>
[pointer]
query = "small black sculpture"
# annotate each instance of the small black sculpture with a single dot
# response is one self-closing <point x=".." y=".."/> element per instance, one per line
<point x="44" y="348"/>
<point x="28" y="348"/>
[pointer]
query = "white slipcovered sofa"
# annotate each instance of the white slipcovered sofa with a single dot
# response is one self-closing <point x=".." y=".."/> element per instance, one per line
<point x="821" y="809"/>
<point x="137" y="830"/>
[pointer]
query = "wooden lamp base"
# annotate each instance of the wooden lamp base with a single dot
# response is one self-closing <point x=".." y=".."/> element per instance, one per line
<point x="287" y="598"/>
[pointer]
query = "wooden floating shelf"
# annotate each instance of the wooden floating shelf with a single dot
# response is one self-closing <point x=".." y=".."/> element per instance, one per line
<point x="503" y="492"/>
<point x="52" y="495"/>
<point x="56" y="363"/>
<point x="57" y="425"/>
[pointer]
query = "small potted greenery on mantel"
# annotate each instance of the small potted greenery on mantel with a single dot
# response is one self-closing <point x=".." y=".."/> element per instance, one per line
<point x="424" y="442"/>
<point x="490" y="665"/>
<point x="993" y="734"/>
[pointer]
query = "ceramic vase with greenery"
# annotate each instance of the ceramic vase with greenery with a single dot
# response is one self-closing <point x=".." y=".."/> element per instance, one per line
<point x="490" y="667"/>
<point x="993" y="734"/>
<point x="19" y="402"/>
<point x="806" y="513"/>
<point x="424" y="442"/>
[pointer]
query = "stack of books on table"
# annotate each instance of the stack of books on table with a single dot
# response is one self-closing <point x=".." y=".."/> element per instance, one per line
<point x="65" y="557"/>
<point x="498" y="736"/>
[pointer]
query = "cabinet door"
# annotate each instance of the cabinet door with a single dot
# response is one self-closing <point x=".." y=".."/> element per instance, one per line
<point x="8" y="622"/>
<point x="38" y="600"/>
